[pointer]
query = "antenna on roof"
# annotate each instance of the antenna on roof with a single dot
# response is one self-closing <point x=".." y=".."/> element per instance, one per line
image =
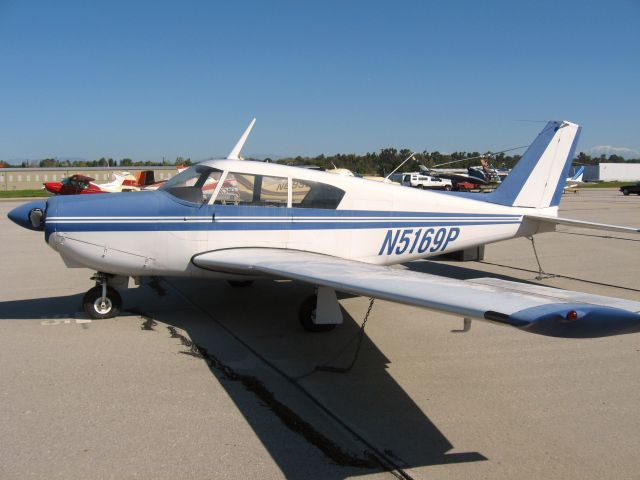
<point x="235" y="153"/>
<point x="394" y="170"/>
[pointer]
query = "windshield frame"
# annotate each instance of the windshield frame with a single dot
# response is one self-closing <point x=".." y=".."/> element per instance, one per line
<point x="201" y="173"/>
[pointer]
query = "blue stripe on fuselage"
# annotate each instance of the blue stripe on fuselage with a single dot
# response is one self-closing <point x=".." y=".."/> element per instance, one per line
<point x="276" y="225"/>
<point x="158" y="211"/>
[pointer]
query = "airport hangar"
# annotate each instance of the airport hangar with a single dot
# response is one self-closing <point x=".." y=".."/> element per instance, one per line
<point x="612" y="172"/>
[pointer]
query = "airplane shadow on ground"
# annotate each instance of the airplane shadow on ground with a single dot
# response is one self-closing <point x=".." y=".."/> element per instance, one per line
<point x="41" y="308"/>
<point x="367" y="399"/>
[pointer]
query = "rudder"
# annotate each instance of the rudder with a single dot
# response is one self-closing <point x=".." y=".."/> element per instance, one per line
<point x="539" y="176"/>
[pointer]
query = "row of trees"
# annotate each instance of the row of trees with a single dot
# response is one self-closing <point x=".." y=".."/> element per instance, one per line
<point x="388" y="159"/>
<point x="101" y="162"/>
<point x="378" y="163"/>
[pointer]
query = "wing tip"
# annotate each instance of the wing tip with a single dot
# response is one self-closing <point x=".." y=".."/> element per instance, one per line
<point x="566" y="320"/>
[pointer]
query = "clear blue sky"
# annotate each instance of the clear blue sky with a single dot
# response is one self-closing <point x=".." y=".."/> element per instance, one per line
<point x="147" y="79"/>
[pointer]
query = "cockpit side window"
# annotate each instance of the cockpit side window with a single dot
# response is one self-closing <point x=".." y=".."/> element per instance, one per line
<point x="274" y="191"/>
<point x="310" y="194"/>
<point x="194" y="185"/>
<point x="254" y="190"/>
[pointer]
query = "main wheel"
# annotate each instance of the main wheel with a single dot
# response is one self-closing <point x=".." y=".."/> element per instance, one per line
<point x="240" y="283"/>
<point x="625" y="191"/>
<point x="96" y="308"/>
<point x="307" y="314"/>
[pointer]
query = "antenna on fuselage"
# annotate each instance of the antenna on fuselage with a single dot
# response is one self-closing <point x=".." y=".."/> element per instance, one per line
<point x="235" y="153"/>
<point x="394" y="170"/>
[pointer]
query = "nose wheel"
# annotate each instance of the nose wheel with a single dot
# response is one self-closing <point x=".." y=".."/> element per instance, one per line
<point x="102" y="302"/>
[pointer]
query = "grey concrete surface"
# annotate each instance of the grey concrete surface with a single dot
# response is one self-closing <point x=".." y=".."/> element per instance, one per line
<point x="195" y="380"/>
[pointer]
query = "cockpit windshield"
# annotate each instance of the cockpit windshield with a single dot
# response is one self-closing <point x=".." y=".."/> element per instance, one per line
<point x="194" y="185"/>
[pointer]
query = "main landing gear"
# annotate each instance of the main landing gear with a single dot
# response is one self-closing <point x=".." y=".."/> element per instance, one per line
<point x="320" y="312"/>
<point x="102" y="301"/>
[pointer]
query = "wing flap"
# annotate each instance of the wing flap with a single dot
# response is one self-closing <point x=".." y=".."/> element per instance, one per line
<point x="540" y="311"/>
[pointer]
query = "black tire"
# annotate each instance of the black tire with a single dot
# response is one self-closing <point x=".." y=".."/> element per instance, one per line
<point x="625" y="191"/>
<point x="240" y="283"/>
<point x="447" y="187"/>
<point x="92" y="307"/>
<point x="421" y="187"/>
<point x="306" y="314"/>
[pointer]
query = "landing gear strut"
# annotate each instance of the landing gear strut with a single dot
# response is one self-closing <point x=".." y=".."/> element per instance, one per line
<point x="101" y="301"/>
<point x="307" y="316"/>
<point x="320" y="312"/>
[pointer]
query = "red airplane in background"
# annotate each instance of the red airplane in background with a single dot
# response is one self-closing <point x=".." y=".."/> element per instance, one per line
<point x="73" y="185"/>
<point x="123" y="182"/>
<point x="82" y="184"/>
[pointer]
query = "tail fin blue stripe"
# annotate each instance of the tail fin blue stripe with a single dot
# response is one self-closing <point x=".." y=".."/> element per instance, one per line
<point x="578" y="173"/>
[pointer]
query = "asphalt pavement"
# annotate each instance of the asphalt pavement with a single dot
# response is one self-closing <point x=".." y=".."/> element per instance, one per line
<point x="201" y="380"/>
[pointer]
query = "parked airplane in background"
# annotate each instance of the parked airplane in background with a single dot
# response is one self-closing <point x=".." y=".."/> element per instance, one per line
<point x="487" y="173"/>
<point x="81" y="184"/>
<point x="147" y="181"/>
<point x="577" y="177"/>
<point x="572" y="182"/>
<point x="335" y="232"/>
<point x="122" y="182"/>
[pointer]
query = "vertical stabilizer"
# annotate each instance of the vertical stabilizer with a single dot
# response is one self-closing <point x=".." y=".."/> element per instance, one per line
<point x="538" y="178"/>
<point x="577" y="177"/>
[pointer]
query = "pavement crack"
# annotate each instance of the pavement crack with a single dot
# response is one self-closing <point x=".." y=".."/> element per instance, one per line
<point x="288" y="417"/>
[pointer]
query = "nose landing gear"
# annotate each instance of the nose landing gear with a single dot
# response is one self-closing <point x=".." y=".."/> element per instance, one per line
<point x="102" y="301"/>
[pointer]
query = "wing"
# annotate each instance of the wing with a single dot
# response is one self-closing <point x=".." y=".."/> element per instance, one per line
<point x="578" y="223"/>
<point x="533" y="308"/>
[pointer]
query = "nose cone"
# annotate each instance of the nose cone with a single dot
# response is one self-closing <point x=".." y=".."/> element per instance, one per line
<point x="30" y="215"/>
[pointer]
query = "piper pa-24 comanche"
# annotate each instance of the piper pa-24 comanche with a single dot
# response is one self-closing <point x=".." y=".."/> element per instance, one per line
<point x="241" y="220"/>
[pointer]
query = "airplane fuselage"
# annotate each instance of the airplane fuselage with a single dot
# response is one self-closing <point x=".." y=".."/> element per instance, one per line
<point x="158" y="233"/>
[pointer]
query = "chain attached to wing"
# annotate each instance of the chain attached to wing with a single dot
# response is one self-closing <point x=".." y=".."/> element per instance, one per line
<point x="359" y="335"/>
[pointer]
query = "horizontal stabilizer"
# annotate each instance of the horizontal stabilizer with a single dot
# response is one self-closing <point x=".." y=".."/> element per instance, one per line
<point x="579" y="223"/>
<point x="533" y="308"/>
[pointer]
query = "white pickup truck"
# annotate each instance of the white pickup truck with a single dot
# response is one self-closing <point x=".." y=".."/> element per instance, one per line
<point x="420" y="180"/>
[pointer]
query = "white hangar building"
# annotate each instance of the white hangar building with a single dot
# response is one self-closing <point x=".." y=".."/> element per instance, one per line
<point x="611" y="172"/>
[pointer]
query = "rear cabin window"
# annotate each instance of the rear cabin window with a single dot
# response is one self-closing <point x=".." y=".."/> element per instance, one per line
<point x="309" y="194"/>
<point x="254" y="190"/>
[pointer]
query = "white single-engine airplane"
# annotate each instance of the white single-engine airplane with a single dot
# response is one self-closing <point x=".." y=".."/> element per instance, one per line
<point x="572" y="182"/>
<point x="242" y="220"/>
